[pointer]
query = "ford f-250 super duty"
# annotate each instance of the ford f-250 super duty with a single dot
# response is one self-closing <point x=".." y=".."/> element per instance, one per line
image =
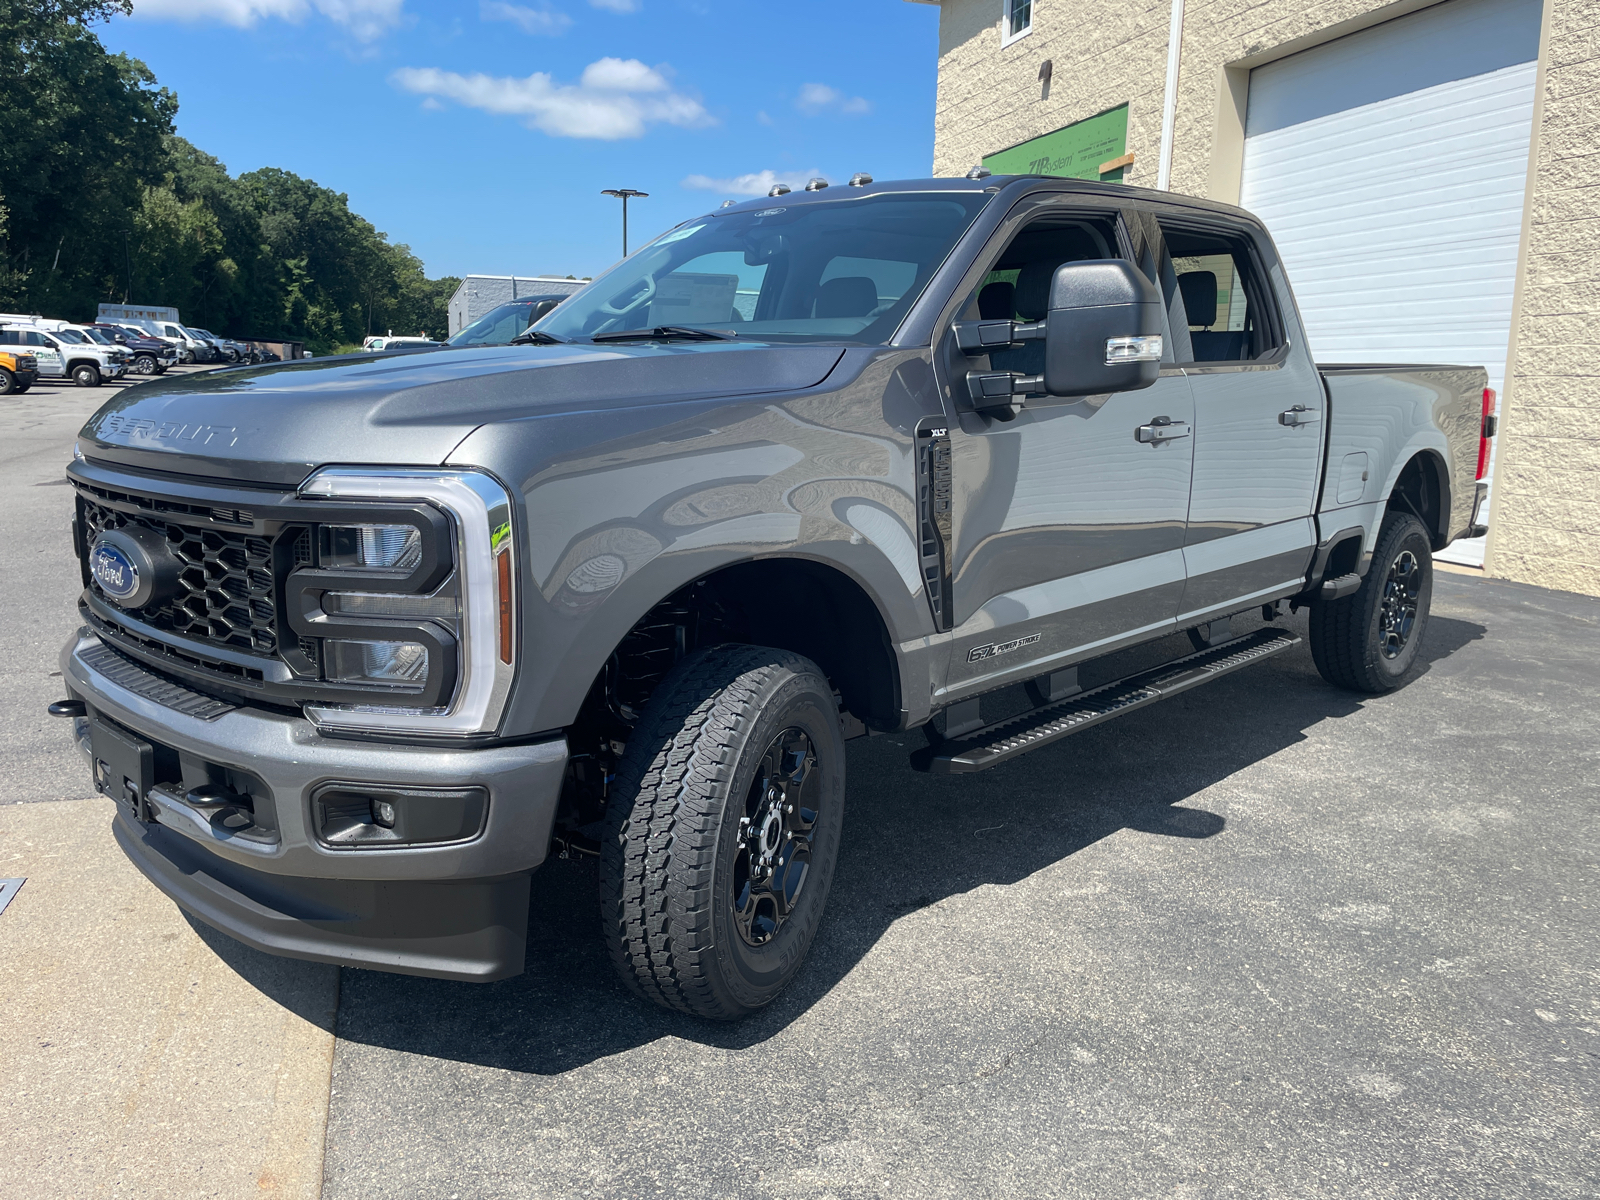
<point x="365" y="640"/>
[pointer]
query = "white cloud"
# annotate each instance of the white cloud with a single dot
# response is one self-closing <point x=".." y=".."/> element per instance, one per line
<point x="617" y="6"/>
<point x="614" y="98"/>
<point x="817" y="98"/>
<point x="538" y="21"/>
<point x="366" y="19"/>
<point x="756" y="183"/>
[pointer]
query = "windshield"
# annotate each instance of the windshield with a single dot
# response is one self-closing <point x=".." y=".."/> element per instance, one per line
<point x="195" y="333"/>
<point x="71" y="335"/>
<point x="499" y="325"/>
<point x="98" y="336"/>
<point x="840" y="271"/>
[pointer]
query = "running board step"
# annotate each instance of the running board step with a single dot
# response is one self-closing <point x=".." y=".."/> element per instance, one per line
<point x="1004" y="740"/>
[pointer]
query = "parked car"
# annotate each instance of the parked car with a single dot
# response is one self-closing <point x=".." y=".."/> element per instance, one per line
<point x="68" y="354"/>
<point x="147" y="356"/>
<point x="151" y="355"/>
<point x="192" y="348"/>
<point x="366" y="644"/>
<point x="227" y="348"/>
<point x="501" y="324"/>
<point x="401" y="343"/>
<point x="18" y="371"/>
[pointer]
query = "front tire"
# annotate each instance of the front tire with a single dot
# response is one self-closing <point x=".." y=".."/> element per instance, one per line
<point x="723" y="830"/>
<point x="1369" y="641"/>
<point x="86" y="375"/>
<point x="145" y="364"/>
<point x="8" y="382"/>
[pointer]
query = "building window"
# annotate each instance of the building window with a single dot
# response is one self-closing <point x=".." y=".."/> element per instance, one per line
<point x="1016" y="19"/>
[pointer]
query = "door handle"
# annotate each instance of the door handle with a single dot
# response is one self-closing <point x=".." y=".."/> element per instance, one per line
<point x="1160" y="429"/>
<point x="1299" y="415"/>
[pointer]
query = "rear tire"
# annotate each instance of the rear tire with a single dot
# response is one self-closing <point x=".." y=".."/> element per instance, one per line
<point x="86" y="375"/>
<point x="1369" y="641"/>
<point x="723" y="831"/>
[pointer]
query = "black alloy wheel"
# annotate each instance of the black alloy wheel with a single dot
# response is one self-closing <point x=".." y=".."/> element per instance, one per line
<point x="1397" y="618"/>
<point x="772" y="855"/>
<point x="722" y="831"/>
<point x="1370" y="641"/>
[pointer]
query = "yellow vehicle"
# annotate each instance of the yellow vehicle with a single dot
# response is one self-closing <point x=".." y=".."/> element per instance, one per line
<point x="17" y="372"/>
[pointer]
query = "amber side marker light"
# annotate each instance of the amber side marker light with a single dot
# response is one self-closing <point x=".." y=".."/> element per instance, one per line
<point x="503" y="568"/>
<point x="1485" y="431"/>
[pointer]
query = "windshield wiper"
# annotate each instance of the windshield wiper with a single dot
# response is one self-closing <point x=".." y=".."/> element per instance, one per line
<point x="536" y="337"/>
<point x="665" y="333"/>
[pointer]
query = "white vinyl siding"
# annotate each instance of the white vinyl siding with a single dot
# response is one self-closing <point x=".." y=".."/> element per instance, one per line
<point x="1394" y="195"/>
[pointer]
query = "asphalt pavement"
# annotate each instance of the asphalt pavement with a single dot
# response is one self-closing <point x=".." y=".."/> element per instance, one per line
<point x="1263" y="939"/>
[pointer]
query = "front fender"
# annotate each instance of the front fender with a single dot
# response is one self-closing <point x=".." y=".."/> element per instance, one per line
<point x="612" y="526"/>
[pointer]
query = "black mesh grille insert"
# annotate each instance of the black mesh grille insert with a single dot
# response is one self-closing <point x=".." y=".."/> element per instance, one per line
<point x="225" y="591"/>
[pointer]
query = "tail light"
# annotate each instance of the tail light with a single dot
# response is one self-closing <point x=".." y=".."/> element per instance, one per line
<point x="1486" y="431"/>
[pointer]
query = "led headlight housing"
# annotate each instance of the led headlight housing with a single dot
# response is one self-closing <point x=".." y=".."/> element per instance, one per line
<point x="411" y="598"/>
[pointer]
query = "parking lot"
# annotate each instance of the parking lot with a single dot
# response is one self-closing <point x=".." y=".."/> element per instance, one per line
<point x="1265" y="939"/>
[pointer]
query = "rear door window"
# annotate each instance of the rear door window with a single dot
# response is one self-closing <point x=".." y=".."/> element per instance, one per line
<point x="1219" y="296"/>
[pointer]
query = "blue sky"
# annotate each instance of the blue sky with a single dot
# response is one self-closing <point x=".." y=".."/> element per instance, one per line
<point x="480" y="132"/>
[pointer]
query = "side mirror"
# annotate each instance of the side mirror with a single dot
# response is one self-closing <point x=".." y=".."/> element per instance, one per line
<point x="1102" y="333"/>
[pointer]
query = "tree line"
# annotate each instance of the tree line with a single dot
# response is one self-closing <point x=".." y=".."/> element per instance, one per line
<point x="100" y="201"/>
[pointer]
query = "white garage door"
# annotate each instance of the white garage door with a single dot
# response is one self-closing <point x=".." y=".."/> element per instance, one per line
<point x="1390" y="166"/>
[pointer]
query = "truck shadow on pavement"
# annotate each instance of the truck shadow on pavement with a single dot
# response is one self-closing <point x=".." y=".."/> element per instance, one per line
<point x="910" y="841"/>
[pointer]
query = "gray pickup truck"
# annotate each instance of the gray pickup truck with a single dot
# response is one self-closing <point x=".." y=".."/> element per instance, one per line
<point x="365" y="640"/>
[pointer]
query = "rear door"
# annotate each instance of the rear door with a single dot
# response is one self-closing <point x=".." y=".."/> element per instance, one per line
<point x="1068" y="531"/>
<point x="1258" y="420"/>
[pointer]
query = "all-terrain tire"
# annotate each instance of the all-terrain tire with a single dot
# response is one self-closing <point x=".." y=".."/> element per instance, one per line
<point x="8" y="382"/>
<point x="1366" y="642"/>
<point x="675" y="857"/>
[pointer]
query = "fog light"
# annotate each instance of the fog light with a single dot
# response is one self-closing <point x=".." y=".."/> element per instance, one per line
<point x="383" y="813"/>
<point x="394" y="663"/>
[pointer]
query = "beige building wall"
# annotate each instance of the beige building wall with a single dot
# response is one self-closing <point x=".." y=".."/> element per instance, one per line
<point x="1109" y="52"/>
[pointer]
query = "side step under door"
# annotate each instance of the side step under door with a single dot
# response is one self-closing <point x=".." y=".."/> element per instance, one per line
<point x="1005" y="740"/>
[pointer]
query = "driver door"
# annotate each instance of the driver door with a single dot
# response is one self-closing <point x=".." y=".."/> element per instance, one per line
<point x="1067" y="530"/>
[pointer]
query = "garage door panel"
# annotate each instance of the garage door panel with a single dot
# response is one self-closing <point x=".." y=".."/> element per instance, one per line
<point x="1398" y="218"/>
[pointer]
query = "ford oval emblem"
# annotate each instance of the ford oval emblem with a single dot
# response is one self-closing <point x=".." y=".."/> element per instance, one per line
<point x="114" y="571"/>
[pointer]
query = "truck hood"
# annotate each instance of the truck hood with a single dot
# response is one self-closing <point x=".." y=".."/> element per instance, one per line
<point x="276" y="424"/>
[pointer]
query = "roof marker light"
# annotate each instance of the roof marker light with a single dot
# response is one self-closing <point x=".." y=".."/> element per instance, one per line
<point x="979" y="172"/>
<point x="817" y="184"/>
<point x="779" y="189"/>
<point x="860" y="179"/>
<point x="727" y="204"/>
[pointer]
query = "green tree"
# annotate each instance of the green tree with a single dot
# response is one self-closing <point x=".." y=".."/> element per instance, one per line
<point x="79" y="132"/>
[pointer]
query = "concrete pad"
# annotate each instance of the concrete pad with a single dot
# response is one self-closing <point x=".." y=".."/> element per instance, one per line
<point x="140" y="1054"/>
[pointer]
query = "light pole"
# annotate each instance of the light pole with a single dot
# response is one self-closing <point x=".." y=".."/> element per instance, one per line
<point x="624" y="194"/>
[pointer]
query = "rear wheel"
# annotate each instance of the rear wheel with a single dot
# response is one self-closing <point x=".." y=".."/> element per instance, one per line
<point x="86" y="375"/>
<point x="1369" y="641"/>
<point x="723" y="830"/>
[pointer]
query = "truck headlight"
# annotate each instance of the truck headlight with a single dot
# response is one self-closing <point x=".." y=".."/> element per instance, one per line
<point x="469" y="620"/>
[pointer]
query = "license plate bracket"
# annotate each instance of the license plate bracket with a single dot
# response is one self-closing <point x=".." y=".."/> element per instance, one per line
<point x="124" y="767"/>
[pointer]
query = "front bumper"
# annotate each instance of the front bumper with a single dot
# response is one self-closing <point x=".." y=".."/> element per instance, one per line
<point x="454" y="910"/>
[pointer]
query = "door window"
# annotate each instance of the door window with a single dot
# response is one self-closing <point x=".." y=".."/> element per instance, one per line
<point x="1017" y="287"/>
<point x="1220" y="298"/>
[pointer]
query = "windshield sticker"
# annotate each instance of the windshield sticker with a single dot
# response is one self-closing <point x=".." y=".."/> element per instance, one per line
<point x="677" y="235"/>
